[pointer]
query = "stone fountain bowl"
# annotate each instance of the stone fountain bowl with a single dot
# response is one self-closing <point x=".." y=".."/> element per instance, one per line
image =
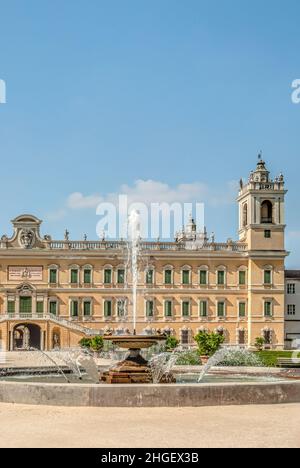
<point x="135" y="341"/>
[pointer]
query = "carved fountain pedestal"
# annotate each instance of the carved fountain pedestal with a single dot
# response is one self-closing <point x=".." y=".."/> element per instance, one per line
<point x="134" y="368"/>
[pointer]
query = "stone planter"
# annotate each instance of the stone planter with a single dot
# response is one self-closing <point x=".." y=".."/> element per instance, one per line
<point x="204" y="360"/>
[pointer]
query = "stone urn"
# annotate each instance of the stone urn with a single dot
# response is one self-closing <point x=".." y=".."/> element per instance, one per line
<point x="134" y="368"/>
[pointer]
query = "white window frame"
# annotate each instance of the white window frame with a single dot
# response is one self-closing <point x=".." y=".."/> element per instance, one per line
<point x="56" y="268"/>
<point x="91" y="269"/>
<point x="223" y="301"/>
<point x="206" y="269"/>
<point x="189" y="269"/>
<point x="74" y="267"/>
<point x="169" y="299"/>
<point x="271" y="269"/>
<point x="204" y="300"/>
<point x="108" y="267"/>
<point x="271" y="300"/>
<point x="166" y="268"/>
<point x="224" y="269"/>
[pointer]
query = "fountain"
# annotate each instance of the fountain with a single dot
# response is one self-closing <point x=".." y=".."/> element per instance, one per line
<point x="227" y="352"/>
<point x="134" y="368"/>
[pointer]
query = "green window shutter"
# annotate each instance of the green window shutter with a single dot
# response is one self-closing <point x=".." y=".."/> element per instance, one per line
<point x="53" y="307"/>
<point x="149" y="308"/>
<point x="221" y="277"/>
<point x="242" y="278"/>
<point x="185" y="309"/>
<point x="168" y="308"/>
<point x="25" y="305"/>
<point x="221" y="309"/>
<point x="149" y="277"/>
<point x="74" y="308"/>
<point x="74" y="276"/>
<point x="11" y="307"/>
<point x="203" y="277"/>
<point x="268" y="309"/>
<point x="107" y="308"/>
<point x="242" y="309"/>
<point x="203" y="309"/>
<point x="186" y="277"/>
<point x="87" y="308"/>
<point x="268" y="234"/>
<point x="40" y="307"/>
<point x="121" y="276"/>
<point x="87" y="276"/>
<point x="107" y="276"/>
<point x="53" y="276"/>
<point x="168" y="276"/>
<point x="267" y="276"/>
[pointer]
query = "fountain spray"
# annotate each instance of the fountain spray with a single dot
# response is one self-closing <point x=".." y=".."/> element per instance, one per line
<point x="134" y="237"/>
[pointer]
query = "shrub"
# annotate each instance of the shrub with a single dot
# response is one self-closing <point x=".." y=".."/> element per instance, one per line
<point x="97" y="343"/>
<point x="242" y="358"/>
<point x="188" y="358"/>
<point x="208" y="342"/>
<point x="85" y="343"/>
<point x="259" y="343"/>
<point x="171" y="343"/>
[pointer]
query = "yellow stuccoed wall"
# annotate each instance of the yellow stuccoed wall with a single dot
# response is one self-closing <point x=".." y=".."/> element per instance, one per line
<point x="254" y="294"/>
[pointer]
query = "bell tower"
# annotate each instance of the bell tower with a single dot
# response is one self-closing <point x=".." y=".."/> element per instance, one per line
<point x="261" y="210"/>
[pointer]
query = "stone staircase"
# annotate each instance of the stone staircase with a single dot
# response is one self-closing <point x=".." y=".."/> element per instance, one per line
<point x="59" y="321"/>
<point x="74" y="326"/>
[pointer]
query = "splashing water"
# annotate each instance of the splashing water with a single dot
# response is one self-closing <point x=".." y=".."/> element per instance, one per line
<point x="162" y="364"/>
<point x="73" y="359"/>
<point x="134" y="237"/>
<point x="59" y="369"/>
<point x="229" y="353"/>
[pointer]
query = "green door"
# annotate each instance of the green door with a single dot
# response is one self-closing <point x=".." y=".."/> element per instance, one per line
<point x="25" y="305"/>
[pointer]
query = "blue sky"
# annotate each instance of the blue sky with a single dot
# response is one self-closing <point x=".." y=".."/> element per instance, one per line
<point x="103" y="94"/>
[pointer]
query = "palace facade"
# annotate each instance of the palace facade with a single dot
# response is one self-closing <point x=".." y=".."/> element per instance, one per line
<point x="52" y="293"/>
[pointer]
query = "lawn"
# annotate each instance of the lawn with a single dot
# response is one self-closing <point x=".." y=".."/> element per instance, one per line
<point x="269" y="358"/>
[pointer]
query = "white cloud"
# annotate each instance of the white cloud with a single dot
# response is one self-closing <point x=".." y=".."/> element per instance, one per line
<point x="78" y="201"/>
<point x="151" y="191"/>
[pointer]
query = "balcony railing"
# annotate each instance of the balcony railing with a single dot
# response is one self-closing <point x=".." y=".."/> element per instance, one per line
<point x="147" y="246"/>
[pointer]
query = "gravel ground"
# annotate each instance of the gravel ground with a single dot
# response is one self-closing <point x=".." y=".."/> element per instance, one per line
<point x="235" y="426"/>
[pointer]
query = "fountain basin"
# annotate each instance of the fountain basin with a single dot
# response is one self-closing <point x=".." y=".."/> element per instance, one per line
<point x="135" y="341"/>
<point x="135" y="395"/>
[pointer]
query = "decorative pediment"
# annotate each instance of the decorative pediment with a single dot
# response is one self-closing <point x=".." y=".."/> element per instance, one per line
<point x="25" y="289"/>
<point x="26" y="234"/>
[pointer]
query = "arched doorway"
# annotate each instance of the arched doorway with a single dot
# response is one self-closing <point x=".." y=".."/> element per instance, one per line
<point x="25" y="336"/>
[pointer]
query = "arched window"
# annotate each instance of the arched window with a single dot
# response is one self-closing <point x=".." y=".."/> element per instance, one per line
<point x="185" y="336"/>
<point x="266" y="212"/>
<point x="267" y="335"/>
<point x="245" y="215"/>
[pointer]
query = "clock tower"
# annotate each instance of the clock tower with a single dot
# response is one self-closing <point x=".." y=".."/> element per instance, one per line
<point x="261" y="210"/>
